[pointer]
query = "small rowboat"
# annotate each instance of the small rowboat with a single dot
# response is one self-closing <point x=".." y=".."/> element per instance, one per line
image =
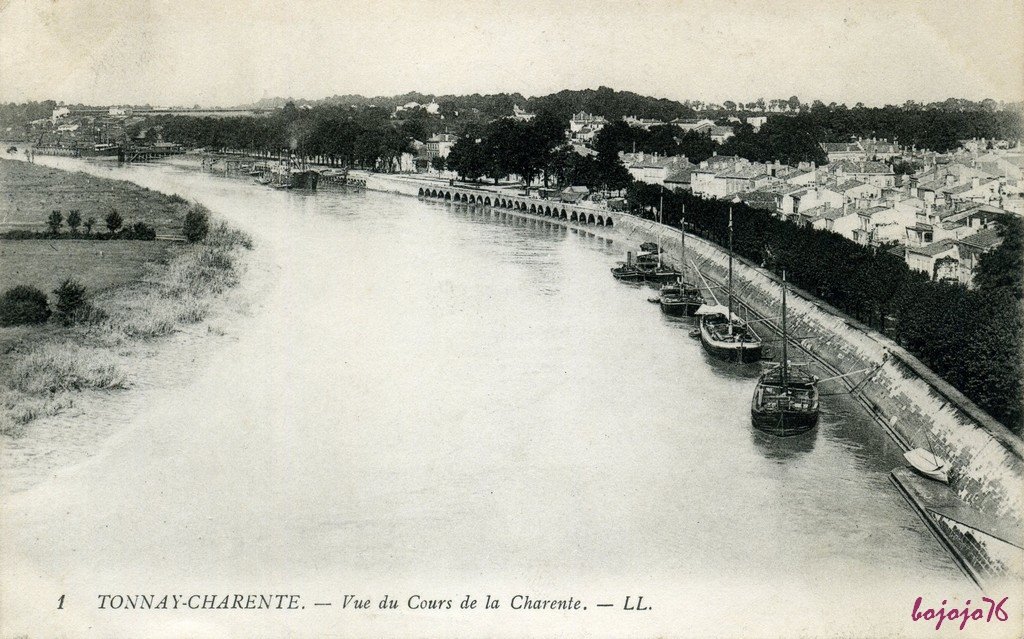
<point x="928" y="464"/>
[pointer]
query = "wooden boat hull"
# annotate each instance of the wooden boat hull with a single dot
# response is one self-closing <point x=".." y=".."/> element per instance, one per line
<point x="679" y="307"/>
<point x="783" y="423"/>
<point x="661" y="276"/>
<point x="627" y="275"/>
<point x="738" y="351"/>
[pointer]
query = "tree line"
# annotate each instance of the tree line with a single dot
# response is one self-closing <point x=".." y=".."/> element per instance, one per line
<point x="530" y="150"/>
<point x="972" y="338"/>
<point x="342" y="136"/>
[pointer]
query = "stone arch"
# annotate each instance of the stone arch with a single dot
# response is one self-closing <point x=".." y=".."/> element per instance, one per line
<point x="465" y="198"/>
<point x="600" y="220"/>
<point x="572" y="217"/>
<point x="420" y="194"/>
<point x="563" y="215"/>
<point x="472" y="199"/>
<point x="447" y="196"/>
<point x="608" y="221"/>
<point x="547" y="211"/>
<point x="590" y="219"/>
<point x="487" y="201"/>
<point x="533" y="208"/>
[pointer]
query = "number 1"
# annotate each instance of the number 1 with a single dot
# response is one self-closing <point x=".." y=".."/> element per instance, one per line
<point x="60" y="603"/>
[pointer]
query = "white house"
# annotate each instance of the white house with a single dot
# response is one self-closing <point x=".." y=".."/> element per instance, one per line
<point x="757" y="121"/>
<point x="439" y="145"/>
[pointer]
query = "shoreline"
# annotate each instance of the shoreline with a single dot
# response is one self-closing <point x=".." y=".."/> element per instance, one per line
<point x="59" y="378"/>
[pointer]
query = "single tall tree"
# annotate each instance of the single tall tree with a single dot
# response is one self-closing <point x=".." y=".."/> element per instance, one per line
<point x="74" y="221"/>
<point x="54" y="222"/>
<point x="114" y="221"/>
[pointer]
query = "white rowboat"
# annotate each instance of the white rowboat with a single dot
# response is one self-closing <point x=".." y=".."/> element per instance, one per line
<point x="928" y="464"/>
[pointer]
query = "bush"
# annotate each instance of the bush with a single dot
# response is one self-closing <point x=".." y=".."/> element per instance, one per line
<point x="71" y="302"/>
<point x="114" y="221"/>
<point x="22" y="234"/>
<point x="139" y="231"/>
<point x="197" y="224"/>
<point x="23" y="305"/>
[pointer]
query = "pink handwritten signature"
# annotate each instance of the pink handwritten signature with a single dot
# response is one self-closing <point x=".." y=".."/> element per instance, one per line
<point x="989" y="610"/>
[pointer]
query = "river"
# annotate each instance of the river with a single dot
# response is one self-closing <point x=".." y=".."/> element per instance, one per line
<point x="445" y="401"/>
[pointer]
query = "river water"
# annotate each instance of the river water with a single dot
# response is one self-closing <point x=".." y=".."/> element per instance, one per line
<point x="440" y="401"/>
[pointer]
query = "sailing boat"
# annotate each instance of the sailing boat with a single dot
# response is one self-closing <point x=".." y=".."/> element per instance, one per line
<point x="681" y="297"/>
<point x="660" y="272"/>
<point x="722" y="332"/>
<point x="786" y="397"/>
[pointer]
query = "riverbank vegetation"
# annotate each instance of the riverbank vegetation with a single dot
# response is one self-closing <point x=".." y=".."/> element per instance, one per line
<point x="84" y="308"/>
<point x="971" y="337"/>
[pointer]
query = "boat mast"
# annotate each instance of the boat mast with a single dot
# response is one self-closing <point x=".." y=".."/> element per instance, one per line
<point x="730" y="271"/>
<point x="785" y="357"/>
<point x="682" y="246"/>
<point x="661" y="210"/>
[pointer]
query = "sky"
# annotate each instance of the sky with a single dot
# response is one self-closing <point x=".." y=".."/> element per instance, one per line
<point x="230" y="52"/>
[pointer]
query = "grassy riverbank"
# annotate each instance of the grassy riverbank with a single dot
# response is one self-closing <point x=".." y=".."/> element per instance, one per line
<point x="137" y="291"/>
<point x="29" y="192"/>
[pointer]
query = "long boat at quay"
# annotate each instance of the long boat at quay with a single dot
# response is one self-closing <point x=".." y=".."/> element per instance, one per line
<point x="785" y="400"/>
<point x="681" y="298"/>
<point x="723" y="334"/>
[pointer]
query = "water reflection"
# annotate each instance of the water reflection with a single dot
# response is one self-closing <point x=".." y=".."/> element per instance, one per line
<point x="731" y="370"/>
<point x="783" y="449"/>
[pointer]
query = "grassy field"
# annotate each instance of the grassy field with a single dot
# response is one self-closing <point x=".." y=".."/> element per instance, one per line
<point x="28" y="192"/>
<point x="96" y="264"/>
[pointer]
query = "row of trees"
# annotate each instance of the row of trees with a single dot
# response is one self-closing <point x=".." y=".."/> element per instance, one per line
<point x="116" y="229"/>
<point x="970" y="337"/>
<point x="532" y="149"/>
<point x="341" y="135"/>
